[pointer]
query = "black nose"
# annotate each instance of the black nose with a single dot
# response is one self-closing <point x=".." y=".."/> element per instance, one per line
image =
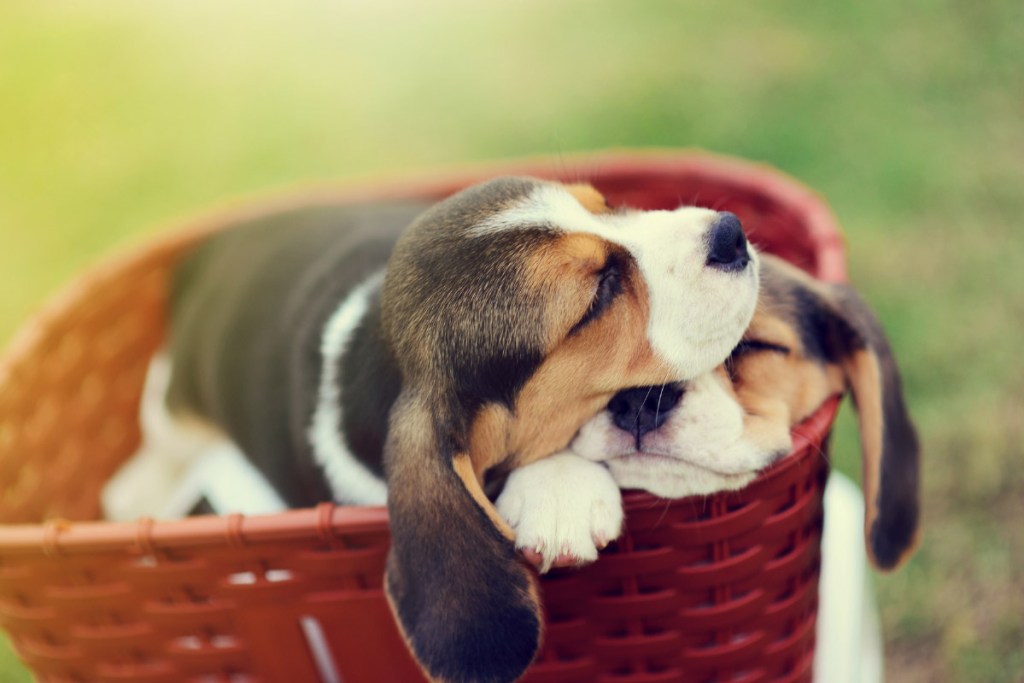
<point x="642" y="410"/>
<point x="727" y="245"/>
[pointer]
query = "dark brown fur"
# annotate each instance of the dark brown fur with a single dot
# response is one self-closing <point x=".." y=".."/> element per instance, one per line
<point x="495" y="371"/>
<point x="807" y="341"/>
<point x="480" y="353"/>
<point x="248" y="307"/>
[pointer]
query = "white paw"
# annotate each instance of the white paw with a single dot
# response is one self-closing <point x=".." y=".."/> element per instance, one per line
<point x="563" y="509"/>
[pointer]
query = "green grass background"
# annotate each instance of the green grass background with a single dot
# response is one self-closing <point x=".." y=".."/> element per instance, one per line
<point x="116" y="116"/>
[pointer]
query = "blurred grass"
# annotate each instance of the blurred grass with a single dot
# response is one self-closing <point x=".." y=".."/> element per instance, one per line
<point x="116" y="116"/>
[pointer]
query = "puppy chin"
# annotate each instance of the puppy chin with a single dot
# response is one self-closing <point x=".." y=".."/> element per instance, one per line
<point x="670" y="478"/>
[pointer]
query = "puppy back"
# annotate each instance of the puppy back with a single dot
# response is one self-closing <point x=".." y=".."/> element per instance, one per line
<point x="248" y="308"/>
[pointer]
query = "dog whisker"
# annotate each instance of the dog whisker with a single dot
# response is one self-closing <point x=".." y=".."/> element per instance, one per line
<point x="640" y="410"/>
<point x="657" y="408"/>
<point x="664" y="511"/>
<point x="818" y="450"/>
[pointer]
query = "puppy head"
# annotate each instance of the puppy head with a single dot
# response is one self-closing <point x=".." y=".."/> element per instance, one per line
<point x="677" y="440"/>
<point x="514" y="310"/>
<point x="807" y="341"/>
<point x="510" y="271"/>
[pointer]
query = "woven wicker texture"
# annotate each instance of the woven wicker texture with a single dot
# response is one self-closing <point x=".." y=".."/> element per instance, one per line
<point x="722" y="588"/>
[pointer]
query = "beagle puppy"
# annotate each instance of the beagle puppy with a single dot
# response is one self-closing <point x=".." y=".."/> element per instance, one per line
<point x="400" y="354"/>
<point x="808" y="340"/>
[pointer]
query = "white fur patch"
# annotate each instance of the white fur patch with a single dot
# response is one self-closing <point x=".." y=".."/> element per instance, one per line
<point x="178" y="464"/>
<point x="350" y="481"/>
<point x="562" y="505"/>
<point x="228" y="481"/>
<point x="700" y="449"/>
<point x="697" y="313"/>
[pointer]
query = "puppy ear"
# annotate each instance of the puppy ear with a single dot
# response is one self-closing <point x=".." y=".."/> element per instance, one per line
<point x="889" y="441"/>
<point x="588" y="196"/>
<point x="466" y="605"/>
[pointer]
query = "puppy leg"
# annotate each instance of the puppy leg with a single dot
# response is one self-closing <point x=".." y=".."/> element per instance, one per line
<point x="148" y="480"/>
<point x="563" y="509"/>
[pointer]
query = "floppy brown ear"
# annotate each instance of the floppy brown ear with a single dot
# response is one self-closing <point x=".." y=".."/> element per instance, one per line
<point x="889" y="441"/>
<point x="466" y="605"/>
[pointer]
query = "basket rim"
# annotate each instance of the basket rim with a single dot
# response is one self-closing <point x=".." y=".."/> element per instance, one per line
<point x="328" y="521"/>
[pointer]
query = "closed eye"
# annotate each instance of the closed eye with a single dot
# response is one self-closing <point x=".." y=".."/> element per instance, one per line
<point x="747" y="346"/>
<point x="609" y="286"/>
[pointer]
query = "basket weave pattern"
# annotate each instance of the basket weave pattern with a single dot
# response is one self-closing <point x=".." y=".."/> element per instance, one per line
<point x="718" y="588"/>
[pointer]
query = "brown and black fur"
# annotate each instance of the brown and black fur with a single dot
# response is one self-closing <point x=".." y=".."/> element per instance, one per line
<point x="807" y="341"/>
<point x="480" y="352"/>
<point x="512" y="384"/>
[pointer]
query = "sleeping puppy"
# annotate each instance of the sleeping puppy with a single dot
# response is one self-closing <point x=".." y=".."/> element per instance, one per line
<point x="808" y="340"/>
<point x="503" y="319"/>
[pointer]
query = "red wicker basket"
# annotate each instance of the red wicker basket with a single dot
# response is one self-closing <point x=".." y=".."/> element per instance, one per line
<point x="720" y="588"/>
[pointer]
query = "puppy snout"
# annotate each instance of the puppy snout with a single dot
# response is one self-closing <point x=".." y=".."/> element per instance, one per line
<point x="643" y="410"/>
<point x="727" y="244"/>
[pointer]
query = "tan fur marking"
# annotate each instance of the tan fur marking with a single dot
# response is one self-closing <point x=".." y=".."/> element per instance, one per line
<point x="779" y="390"/>
<point x="488" y="438"/>
<point x="467" y="473"/>
<point x="767" y="421"/>
<point x="865" y="382"/>
<point x="583" y="371"/>
<point x="768" y="325"/>
<point x="565" y="274"/>
<point x="802" y="385"/>
<point x="592" y="200"/>
<point x="575" y="253"/>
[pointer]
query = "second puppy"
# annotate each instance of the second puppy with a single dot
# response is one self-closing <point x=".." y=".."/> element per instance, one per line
<point x="808" y="340"/>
